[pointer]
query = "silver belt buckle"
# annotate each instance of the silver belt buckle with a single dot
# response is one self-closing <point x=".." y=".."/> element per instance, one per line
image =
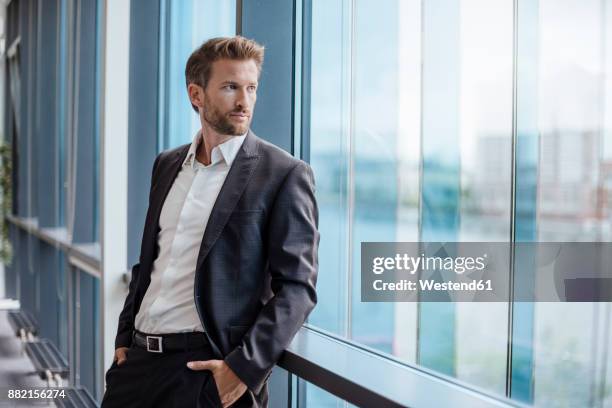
<point x="154" y="344"/>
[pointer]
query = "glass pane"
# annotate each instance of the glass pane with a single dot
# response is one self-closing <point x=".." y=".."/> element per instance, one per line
<point x="573" y="192"/>
<point x="485" y="147"/>
<point x="383" y="114"/>
<point x="329" y="146"/>
<point x="373" y="125"/>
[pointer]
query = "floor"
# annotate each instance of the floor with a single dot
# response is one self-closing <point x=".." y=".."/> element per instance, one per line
<point x="16" y="371"/>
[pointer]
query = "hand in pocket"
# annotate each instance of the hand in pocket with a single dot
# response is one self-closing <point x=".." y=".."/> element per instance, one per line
<point x="121" y="355"/>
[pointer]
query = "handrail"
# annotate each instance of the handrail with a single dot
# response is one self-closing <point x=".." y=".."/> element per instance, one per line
<point x="87" y="255"/>
<point x="365" y="378"/>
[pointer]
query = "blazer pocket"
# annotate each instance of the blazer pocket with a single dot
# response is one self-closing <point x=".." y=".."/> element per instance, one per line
<point x="236" y="333"/>
<point x="246" y="217"/>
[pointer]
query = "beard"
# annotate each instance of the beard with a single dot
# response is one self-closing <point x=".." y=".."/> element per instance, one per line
<point x="221" y="123"/>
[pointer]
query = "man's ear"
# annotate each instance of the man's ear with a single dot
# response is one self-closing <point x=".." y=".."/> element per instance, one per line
<point x="196" y="95"/>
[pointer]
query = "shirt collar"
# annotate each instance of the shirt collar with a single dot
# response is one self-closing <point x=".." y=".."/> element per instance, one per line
<point x="226" y="151"/>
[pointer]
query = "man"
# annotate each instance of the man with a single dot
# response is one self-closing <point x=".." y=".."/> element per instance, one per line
<point x="228" y="262"/>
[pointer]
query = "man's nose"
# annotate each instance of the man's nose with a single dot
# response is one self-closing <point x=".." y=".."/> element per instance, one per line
<point x="242" y="102"/>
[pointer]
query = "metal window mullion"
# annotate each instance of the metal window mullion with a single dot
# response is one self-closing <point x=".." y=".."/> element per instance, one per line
<point x="417" y="353"/>
<point x="296" y="66"/>
<point x="68" y="124"/>
<point x="163" y="81"/>
<point x="69" y="270"/>
<point x="75" y="134"/>
<point x="238" y="17"/>
<point x="512" y="197"/>
<point x="593" y="355"/>
<point x="349" y="118"/>
<point x="77" y="331"/>
<point x="29" y="114"/>
<point x="38" y="73"/>
<point x="605" y="341"/>
<point x="525" y="148"/>
<point x="305" y="79"/>
<point x="96" y="209"/>
<point x="58" y="111"/>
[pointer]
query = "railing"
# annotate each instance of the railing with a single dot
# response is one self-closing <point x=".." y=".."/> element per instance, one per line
<point x="368" y="378"/>
<point x="84" y="256"/>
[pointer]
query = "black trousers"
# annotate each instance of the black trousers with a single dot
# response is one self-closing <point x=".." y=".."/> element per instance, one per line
<point x="161" y="380"/>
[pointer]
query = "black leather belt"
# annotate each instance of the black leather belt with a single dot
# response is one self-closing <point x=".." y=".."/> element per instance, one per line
<point x="164" y="343"/>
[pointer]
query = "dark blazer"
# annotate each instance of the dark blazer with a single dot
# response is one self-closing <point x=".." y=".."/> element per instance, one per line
<point x="257" y="266"/>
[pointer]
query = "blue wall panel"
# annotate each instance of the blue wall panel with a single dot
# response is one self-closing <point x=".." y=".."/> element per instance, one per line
<point x="143" y="105"/>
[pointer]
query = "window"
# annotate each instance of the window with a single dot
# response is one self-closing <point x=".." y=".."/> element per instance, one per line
<point x="422" y="116"/>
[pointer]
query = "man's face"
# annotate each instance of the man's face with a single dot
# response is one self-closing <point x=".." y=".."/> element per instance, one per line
<point x="230" y="95"/>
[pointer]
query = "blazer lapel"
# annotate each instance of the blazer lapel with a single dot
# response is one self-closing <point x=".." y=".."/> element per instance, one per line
<point x="237" y="179"/>
<point x="167" y="177"/>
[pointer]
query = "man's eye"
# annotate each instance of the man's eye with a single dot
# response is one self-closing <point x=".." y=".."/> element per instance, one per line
<point x="230" y="86"/>
<point x="252" y="88"/>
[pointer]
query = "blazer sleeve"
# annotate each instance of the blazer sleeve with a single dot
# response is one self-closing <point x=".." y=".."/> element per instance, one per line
<point x="292" y="243"/>
<point x="126" y="317"/>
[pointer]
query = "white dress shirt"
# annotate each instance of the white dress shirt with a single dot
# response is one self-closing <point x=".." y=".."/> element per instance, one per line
<point x="169" y="304"/>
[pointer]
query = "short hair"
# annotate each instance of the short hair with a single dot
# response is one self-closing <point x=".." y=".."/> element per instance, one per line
<point x="199" y="64"/>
